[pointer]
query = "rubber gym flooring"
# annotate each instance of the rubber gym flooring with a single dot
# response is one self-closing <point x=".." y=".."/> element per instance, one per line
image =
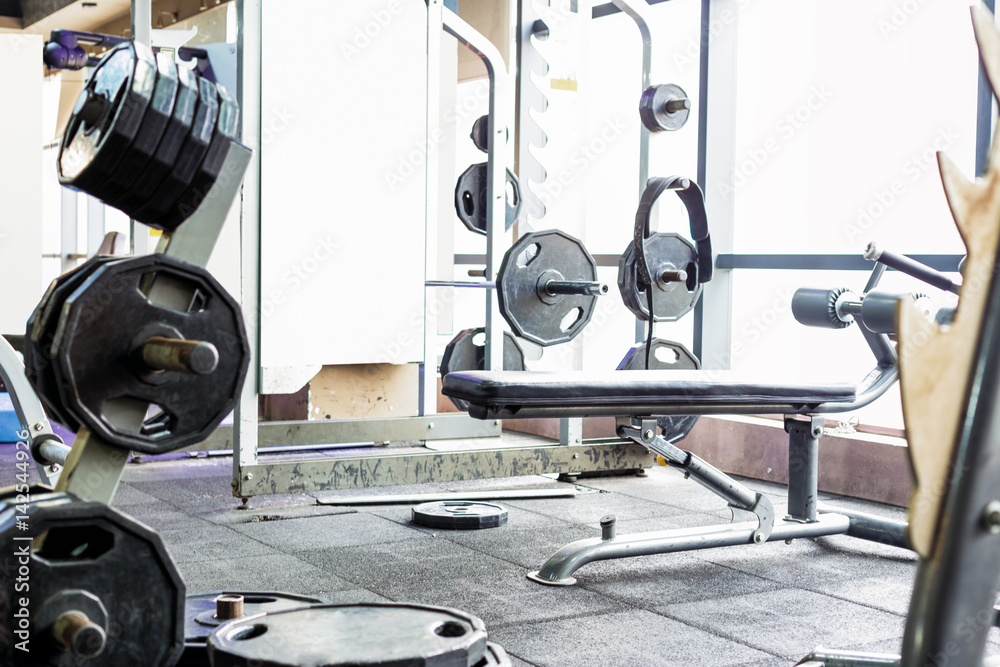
<point x="748" y="606"/>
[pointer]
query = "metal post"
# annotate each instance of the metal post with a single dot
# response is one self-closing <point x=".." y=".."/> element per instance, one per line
<point x="68" y="250"/>
<point x="713" y="317"/>
<point x="142" y="29"/>
<point x="803" y="466"/>
<point x="428" y="377"/>
<point x="95" y="225"/>
<point x="248" y="13"/>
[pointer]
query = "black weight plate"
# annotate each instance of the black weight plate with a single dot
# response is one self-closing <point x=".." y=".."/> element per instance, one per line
<point x="188" y="160"/>
<point x="211" y="166"/>
<point x="465" y="353"/>
<point x="98" y="558"/>
<point x="39" y="355"/>
<point x="155" y="122"/>
<point x="162" y="161"/>
<point x="653" y="108"/>
<point x="107" y="116"/>
<point x="98" y="343"/>
<point x="459" y="515"/>
<point x="666" y="355"/>
<point x="530" y="311"/>
<point x="480" y="134"/>
<point x="470" y="198"/>
<point x="374" y="635"/>
<point x="671" y="300"/>
<point x="200" y="620"/>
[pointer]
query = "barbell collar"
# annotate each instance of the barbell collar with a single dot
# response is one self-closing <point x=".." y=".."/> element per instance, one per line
<point x="182" y="356"/>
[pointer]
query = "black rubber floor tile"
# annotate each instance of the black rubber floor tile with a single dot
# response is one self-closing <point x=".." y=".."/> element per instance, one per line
<point x="661" y="581"/>
<point x="662" y="486"/>
<point x="127" y="496"/>
<point x="528" y="548"/>
<point x="257" y="513"/>
<point x="634" y="637"/>
<point x="201" y="540"/>
<point x="159" y="516"/>
<point x="516" y="518"/>
<point x="588" y="509"/>
<point x="280" y="572"/>
<point x="351" y="596"/>
<point x="436" y="571"/>
<point x="327" y="532"/>
<point x="789" y="622"/>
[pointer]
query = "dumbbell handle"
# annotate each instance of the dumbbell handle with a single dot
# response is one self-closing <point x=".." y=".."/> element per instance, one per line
<point x="553" y="287"/>
<point x="183" y="356"/>
<point x="912" y="268"/>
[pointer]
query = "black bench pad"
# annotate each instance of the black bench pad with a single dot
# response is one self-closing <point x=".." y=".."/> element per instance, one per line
<point x="624" y="392"/>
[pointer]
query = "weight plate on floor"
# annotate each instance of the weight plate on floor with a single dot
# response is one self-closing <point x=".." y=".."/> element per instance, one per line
<point x="467" y="352"/>
<point x="211" y="166"/>
<point x="96" y="561"/>
<point x="107" y="116"/>
<point x="672" y="299"/>
<point x="470" y="198"/>
<point x="374" y="635"/>
<point x="154" y="123"/>
<point x="99" y="343"/>
<point x="188" y="160"/>
<point x="459" y="515"/>
<point x="201" y="620"/>
<point x="39" y="357"/>
<point x="162" y="161"/>
<point x="666" y="355"/>
<point x="665" y="107"/>
<point x="528" y="265"/>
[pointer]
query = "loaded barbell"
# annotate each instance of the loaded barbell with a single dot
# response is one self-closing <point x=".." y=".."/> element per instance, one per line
<point x="546" y="285"/>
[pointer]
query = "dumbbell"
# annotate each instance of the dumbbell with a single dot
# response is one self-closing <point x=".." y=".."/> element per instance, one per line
<point x="547" y="287"/>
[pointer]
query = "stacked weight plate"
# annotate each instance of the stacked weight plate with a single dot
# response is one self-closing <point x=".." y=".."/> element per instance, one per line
<point x="147" y="136"/>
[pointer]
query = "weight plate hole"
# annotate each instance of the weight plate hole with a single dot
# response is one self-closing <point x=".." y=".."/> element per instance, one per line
<point x="666" y="355"/>
<point x="570" y="319"/>
<point x="258" y="599"/>
<point x="76" y="543"/>
<point x="528" y="255"/>
<point x="252" y="632"/>
<point x="479" y="339"/>
<point x="185" y="295"/>
<point x="468" y="203"/>
<point x="691" y="283"/>
<point x="450" y="629"/>
<point x="511" y="194"/>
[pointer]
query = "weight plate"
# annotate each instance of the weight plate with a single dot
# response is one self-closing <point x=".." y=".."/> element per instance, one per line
<point x="107" y="116"/>
<point x="467" y="352"/>
<point x="480" y="134"/>
<point x="374" y="635"/>
<point x="98" y="347"/>
<point x="154" y="123"/>
<point x="665" y="107"/>
<point x="211" y="166"/>
<point x="188" y="159"/>
<point x="470" y="198"/>
<point x="672" y="299"/>
<point x="459" y="515"/>
<point x="39" y="356"/>
<point x="96" y="561"/>
<point x="527" y="266"/>
<point x="200" y="619"/>
<point x="665" y="355"/>
<point x="495" y="656"/>
<point x="160" y="163"/>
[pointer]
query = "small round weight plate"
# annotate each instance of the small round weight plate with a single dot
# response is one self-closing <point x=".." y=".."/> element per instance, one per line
<point x="211" y="166"/>
<point x="162" y="160"/>
<point x="664" y="108"/>
<point x="467" y="352"/>
<point x="470" y="198"/>
<point x="480" y="134"/>
<point x="107" y="116"/>
<point x="666" y="355"/>
<point x="188" y="160"/>
<point x="374" y="635"/>
<point x="101" y="376"/>
<point x="459" y="515"/>
<point x="39" y="354"/>
<point x="96" y="561"/>
<point x="667" y="254"/>
<point x="154" y="123"/>
<point x="201" y="619"/>
<point x="530" y="311"/>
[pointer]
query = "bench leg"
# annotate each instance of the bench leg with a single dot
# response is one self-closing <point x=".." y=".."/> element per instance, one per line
<point x="803" y="466"/>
